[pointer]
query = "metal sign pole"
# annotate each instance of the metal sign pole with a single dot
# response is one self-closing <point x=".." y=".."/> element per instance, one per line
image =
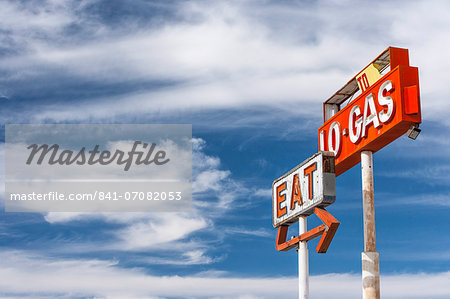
<point x="370" y="257"/>
<point x="303" y="266"/>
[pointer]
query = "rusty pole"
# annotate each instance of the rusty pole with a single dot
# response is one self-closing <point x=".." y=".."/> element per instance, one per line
<point x="370" y="257"/>
<point x="303" y="265"/>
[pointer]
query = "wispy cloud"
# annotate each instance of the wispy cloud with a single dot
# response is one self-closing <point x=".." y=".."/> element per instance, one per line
<point x="186" y="258"/>
<point x="263" y="192"/>
<point x="56" y="278"/>
<point x="158" y="231"/>
<point x="437" y="256"/>
<point x="261" y="232"/>
<point x="218" y="55"/>
<point x="213" y="188"/>
<point x="436" y="173"/>
<point x="429" y="199"/>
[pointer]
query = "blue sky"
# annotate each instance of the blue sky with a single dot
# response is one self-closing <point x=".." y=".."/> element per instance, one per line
<point x="250" y="76"/>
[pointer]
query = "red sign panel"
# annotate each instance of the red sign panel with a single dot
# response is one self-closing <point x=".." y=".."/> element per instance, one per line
<point x="382" y="113"/>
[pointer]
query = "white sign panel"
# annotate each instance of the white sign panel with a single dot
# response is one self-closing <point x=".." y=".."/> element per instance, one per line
<point x="311" y="184"/>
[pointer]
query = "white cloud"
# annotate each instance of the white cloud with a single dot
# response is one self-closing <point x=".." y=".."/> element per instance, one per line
<point x="2" y="172"/>
<point x="437" y="199"/>
<point x="212" y="187"/>
<point x="432" y="174"/>
<point x="158" y="230"/>
<point x="428" y="256"/>
<point x="48" y="18"/>
<point x="209" y="179"/>
<point x="188" y="257"/>
<point x="263" y="192"/>
<point x="261" y="232"/>
<point x="200" y="159"/>
<point x="26" y="275"/>
<point x="240" y="54"/>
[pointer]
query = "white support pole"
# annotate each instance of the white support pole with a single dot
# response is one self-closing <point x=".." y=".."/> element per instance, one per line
<point x="370" y="256"/>
<point x="303" y="266"/>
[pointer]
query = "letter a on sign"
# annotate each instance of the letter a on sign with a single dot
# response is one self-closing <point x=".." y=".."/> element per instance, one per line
<point x="296" y="192"/>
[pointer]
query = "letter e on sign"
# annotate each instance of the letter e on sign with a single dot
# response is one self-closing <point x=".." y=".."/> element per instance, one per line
<point x="281" y="198"/>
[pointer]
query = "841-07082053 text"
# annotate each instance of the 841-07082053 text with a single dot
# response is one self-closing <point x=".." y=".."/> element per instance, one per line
<point x="99" y="195"/>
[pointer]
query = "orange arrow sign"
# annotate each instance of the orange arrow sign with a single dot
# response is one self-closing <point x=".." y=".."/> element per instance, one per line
<point x="326" y="230"/>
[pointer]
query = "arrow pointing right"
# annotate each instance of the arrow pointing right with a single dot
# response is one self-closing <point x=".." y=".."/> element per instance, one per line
<point x="327" y="231"/>
<point x="331" y="226"/>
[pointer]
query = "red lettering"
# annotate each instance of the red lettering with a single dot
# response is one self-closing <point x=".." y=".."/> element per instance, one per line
<point x="280" y="199"/>
<point x="296" y="192"/>
<point x="309" y="173"/>
<point x="363" y="81"/>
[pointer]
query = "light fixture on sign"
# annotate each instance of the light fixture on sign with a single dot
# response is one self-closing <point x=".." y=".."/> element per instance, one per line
<point x="413" y="131"/>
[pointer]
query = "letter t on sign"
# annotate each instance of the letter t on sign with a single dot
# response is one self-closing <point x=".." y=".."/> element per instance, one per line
<point x="309" y="173"/>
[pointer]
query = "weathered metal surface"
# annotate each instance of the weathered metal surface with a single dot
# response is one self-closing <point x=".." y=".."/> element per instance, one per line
<point x="331" y="227"/>
<point x="370" y="275"/>
<point x="326" y="231"/>
<point x="368" y="201"/>
<point x="390" y="57"/>
<point x="370" y="259"/>
<point x="309" y="185"/>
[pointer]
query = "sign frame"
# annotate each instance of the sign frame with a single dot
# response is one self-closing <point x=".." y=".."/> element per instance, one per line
<point x="323" y="193"/>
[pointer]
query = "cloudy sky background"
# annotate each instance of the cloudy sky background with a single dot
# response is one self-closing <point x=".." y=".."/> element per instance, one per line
<point x="250" y="76"/>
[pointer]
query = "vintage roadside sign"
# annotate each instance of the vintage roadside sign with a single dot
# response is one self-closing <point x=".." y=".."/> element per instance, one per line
<point x="309" y="185"/>
<point x="387" y="107"/>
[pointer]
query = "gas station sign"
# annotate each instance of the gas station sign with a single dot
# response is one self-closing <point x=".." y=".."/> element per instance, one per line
<point x="386" y="108"/>
<point x="309" y="185"/>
